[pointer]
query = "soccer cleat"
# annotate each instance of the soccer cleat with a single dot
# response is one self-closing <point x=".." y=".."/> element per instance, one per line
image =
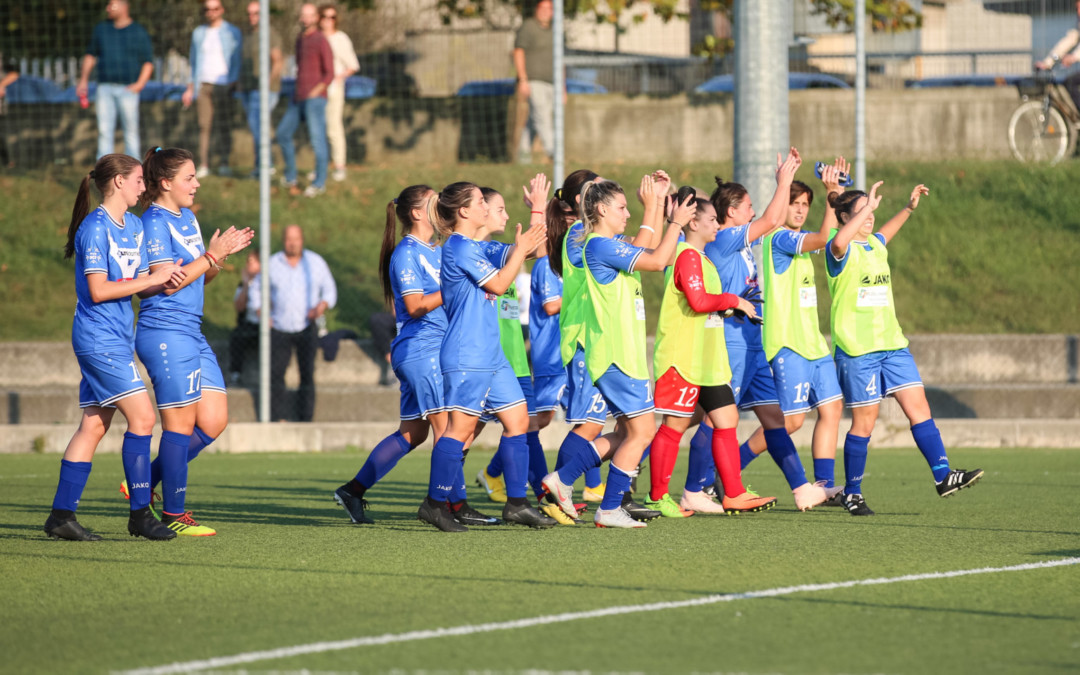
<point x="467" y="515"/>
<point x="67" y="528"/>
<point x="562" y="493"/>
<point x="667" y="507"/>
<point x="553" y="511"/>
<point x="353" y="505"/>
<point x="523" y="514"/>
<point x="616" y="518"/>
<point x="747" y="503"/>
<point x="856" y="505"/>
<point x="595" y="494"/>
<point x="186" y="525"/>
<point x="958" y="479"/>
<point x="438" y="514"/>
<point x="154" y="498"/>
<point x="809" y="495"/>
<point x="836" y="500"/>
<point x="495" y="486"/>
<point x="699" y="502"/>
<point x="715" y="491"/>
<point x="637" y="511"/>
<point x="142" y="523"/>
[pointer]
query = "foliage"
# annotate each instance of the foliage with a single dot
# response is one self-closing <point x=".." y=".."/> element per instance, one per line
<point x="891" y="16"/>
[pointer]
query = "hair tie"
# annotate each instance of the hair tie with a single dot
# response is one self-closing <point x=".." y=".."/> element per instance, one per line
<point x="93" y="174"/>
<point x="558" y="194"/>
<point x="395" y="201"/>
<point x="157" y="149"/>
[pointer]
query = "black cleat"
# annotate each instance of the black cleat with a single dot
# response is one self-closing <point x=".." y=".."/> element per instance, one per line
<point x="856" y="505"/>
<point x="958" y="479"/>
<point x="438" y="514"/>
<point x="142" y="523"/>
<point x="523" y="514"/>
<point x="353" y="505"/>
<point x="637" y="511"/>
<point x="836" y="500"/>
<point x="467" y="515"/>
<point x="716" y="490"/>
<point x="66" y="527"/>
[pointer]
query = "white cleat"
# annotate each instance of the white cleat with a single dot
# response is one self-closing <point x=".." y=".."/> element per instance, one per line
<point x="563" y="494"/>
<point x="809" y="495"/>
<point x="615" y="518"/>
<point x="699" y="502"/>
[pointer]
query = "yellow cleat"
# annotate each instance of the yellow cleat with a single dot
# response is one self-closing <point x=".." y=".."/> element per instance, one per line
<point x="553" y="511"/>
<point x="495" y="486"/>
<point x="185" y="525"/>
<point x="595" y="494"/>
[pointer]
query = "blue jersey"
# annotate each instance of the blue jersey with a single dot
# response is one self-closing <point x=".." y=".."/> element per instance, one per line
<point x="103" y="246"/>
<point x="545" y="286"/>
<point x="415" y="270"/>
<point x="472" y="332"/>
<point x="172" y="236"/>
<point x="608" y="257"/>
<point x="734" y="261"/>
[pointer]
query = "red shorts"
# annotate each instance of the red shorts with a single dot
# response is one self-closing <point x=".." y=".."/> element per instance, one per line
<point x="675" y="396"/>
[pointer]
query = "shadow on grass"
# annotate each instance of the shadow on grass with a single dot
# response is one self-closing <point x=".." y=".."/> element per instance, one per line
<point x="922" y="608"/>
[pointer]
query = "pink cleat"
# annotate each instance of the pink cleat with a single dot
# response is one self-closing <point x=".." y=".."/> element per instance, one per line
<point x="809" y="495"/>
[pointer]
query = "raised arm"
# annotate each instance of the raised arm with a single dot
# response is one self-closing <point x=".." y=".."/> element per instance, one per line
<point x="830" y="177"/>
<point x="657" y="259"/>
<point x="851" y="227"/>
<point x="649" y="234"/>
<point x="889" y="229"/>
<point x="525" y="243"/>
<point x="776" y="212"/>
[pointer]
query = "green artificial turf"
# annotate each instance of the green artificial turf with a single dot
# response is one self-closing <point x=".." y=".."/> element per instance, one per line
<point x="288" y="568"/>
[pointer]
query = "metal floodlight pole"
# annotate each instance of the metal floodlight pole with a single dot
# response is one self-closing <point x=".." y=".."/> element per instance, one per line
<point x="860" y="94"/>
<point x="264" y="209"/>
<point x="559" y="78"/>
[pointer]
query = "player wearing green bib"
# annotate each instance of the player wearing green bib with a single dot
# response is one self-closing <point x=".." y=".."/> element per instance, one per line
<point x="872" y="358"/>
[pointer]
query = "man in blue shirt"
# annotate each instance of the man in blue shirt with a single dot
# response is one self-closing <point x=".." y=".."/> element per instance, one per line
<point x="301" y="290"/>
<point x="120" y="48"/>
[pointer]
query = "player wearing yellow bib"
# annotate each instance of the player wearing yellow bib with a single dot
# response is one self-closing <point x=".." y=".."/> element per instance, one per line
<point x="691" y="364"/>
<point x="872" y="358"/>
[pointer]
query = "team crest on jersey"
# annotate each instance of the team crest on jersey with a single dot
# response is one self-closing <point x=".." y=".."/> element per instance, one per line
<point x="407" y="277"/>
<point x="624" y="250"/>
<point x="695" y="283"/>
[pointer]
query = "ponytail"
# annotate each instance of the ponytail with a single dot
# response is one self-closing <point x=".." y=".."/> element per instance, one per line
<point x="443" y="210"/>
<point x="78" y="214"/>
<point x="388" y="243"/>
<point x="562" y="208"/>
<point x="107" y="168"/>
<point x="400" y="209"/>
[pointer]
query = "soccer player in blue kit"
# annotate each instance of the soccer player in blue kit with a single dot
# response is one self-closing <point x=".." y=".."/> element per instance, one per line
<point x="188" y="384"/>
<point x="110" y="266"/>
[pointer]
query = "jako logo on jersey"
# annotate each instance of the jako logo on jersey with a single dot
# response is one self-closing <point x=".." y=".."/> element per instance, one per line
<point x="876" y="280"/>
<point x="807" y="281"/>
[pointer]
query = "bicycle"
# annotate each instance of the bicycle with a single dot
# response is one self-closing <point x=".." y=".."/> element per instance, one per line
<point x="1045" y="126"/>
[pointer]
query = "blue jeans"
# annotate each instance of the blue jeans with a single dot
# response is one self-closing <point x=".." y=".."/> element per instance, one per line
<point x="312" y="110"/>
<point x="250" y="99"/>
<point x="110" y="99"/>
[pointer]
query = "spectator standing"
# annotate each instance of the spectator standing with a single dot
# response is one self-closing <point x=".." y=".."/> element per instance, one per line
<point x="249" y="76"/>
<point x="9" y="72"/>
<point x="301" y="290"/>
<point x="120" y="48"/>
<point x="314" y="73"/>
<point x="215" y="67"/>
<point x="244" y="340"/>
<point x="345" y="65"/>
<point x="533" y="53"/>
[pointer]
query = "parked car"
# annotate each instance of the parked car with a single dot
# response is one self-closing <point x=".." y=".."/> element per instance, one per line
<point x="965" y="81"/>
<point x="505" y="87"/>
<point x="725" y="84"/>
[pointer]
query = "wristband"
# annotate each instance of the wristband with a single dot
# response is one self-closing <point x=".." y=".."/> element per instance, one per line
<point x="210" y="259"/>
<point x="646" y="227"/>
<point x="540" y="212"/>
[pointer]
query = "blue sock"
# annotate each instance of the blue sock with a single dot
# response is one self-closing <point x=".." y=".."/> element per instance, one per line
<point x="172" y="457"/>
<point x="495" y="466"/>
<point x="746" y="455"/>
<point x="135" y="452"/>
<point x="382" y="459"/>
<point x="783" y="452"/>
<point x="73" y="477"/>
<point x="199" y="440"/>
<point x="825" y="470"/>
<point x="700" y="461"/>
<point x="593" y="477"/>
<point x="445" y="464"/>
<point x="928" y="438"/>
<point x="576" y="456"/>
<point x="515" y="452"/>
<point x="538" y="467"/>
<point x="618" y="484"/>
<point x="854" y="462"/>
<point x="458" y="493"/>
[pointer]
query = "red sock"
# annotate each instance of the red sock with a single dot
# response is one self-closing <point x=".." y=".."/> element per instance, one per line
<point x="665" y="450"/>
<point x="725" y="452"/>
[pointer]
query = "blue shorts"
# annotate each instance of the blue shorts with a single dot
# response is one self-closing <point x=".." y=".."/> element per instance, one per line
<point x="477" y="391"/>
<point x="526" y="385"/>
<point x="804" y="384"/>
<point x="585" y="403"/>
<point x="421" y="388"/>
<point x="181" y="365"/>
<point x="107" y="378"/>
<point x="866" y="379"/>
<point x="551" y="392"/>
<point x="751" y="378"/>
<point x="625" y="396"/>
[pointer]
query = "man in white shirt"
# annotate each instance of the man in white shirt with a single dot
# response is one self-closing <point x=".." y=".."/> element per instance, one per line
<point x="215" y="66"/>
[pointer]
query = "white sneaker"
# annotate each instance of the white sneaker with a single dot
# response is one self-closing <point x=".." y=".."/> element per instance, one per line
<point x="809" y="495"/>
<point x="312" y="191"/>
<point x="202" y="172"/>
<point x="563" y="494"/>
<point x="699" y="502"/>
<point x="338" y="175"/>
<point x="615" y="518"/>
<point x="311" y="176"/>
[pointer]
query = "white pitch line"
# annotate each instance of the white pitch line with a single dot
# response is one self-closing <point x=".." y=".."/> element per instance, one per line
<point x="472" y="629"/>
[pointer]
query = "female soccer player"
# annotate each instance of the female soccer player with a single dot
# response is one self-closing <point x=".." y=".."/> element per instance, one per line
<point x="691" y="367"/>
<point x="752" y="379"/>
<point x="188" y="384"/>
<point x="110" y="266"/>
<point x="477" y="378"/>
<point x="615" y="340"/>
<point x="872" y="357"/>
